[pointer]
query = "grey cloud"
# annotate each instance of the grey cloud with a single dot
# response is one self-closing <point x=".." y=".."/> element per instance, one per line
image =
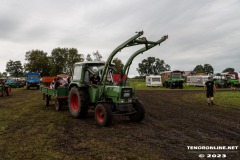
<point x="200" y="31"/>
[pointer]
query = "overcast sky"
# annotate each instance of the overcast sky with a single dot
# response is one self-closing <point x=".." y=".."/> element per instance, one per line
<point x="200" y="31"/>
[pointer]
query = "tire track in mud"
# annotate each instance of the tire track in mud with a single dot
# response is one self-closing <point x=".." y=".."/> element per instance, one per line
<point x="173" y="121"/>
<point x="181" y="122"/>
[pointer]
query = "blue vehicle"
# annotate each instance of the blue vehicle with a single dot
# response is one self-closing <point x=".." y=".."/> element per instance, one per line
<point x="12" y="82"/>
<point x="33" y="80"/>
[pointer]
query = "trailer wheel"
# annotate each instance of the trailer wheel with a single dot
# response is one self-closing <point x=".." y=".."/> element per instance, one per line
<point x="9" y="91"/>
<point x="47" y="100"/>
<point x="103" y="114"/>
<point x="140" y="112"/>
<point x="58" y="104"/>
<point x="77" y="104"/>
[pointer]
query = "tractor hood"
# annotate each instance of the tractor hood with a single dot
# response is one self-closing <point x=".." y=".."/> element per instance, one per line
<point x="119" y="94"/>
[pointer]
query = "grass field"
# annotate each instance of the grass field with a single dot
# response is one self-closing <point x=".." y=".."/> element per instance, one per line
<point x="30" y="130"/>
<point x="225" y="99"/>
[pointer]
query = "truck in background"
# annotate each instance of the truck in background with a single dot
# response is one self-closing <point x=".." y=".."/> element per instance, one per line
<point x="33" y="80"/>
<point x="198" y="80"/>
<point x="172" y="79"/>
<point x="153" y="81"/>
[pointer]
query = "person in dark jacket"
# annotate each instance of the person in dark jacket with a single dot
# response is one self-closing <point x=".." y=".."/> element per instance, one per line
<point x="210" y="89"/>
<point x="58" y="83"/>
<point x="95" y="79"/>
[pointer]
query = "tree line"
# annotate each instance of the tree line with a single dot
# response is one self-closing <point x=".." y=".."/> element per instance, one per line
<point x="154" y="66"/>
<point x="61" y="60"/>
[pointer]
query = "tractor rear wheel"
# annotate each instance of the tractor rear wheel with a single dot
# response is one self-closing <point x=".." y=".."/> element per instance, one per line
<point x="103" y="114"/>
<point x="140" y="112"/>
<point x="77" y="103"/>
<point x="58" y="104"/>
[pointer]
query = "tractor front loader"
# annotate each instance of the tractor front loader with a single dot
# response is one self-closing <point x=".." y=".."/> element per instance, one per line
<point x="107" y="98"/>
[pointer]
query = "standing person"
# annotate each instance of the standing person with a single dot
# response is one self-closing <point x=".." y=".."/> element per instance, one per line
<point x="210" y="90"/>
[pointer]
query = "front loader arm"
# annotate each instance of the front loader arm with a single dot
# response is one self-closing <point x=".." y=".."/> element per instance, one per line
<point x="129" y="42"/>
<point x="149" y="45"/>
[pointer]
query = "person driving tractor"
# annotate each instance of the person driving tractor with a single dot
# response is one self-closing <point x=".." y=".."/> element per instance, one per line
<point x="95" y="79"/>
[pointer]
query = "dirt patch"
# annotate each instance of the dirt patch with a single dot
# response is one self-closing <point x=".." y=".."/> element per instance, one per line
<point x="174" y="120"/>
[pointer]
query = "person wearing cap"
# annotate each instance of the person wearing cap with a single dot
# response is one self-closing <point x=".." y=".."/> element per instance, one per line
<point x="210" y="89"/>
<point x="94" y="79"/>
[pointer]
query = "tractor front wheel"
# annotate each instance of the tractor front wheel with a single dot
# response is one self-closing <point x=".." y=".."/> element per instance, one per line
<point x="77" y="104"/>
<point x="140" y="112"/>
<point x="103" y="114"/>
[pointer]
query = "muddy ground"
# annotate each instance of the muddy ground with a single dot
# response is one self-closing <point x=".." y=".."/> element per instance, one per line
<point x="174" y="120"/>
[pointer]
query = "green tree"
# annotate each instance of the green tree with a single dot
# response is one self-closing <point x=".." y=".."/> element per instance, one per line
<point x="58" y="60"/>
<point x="63" y="59"/>
<point x="208" y="69"/>
<point x="4" y="74"/>
<point x="14" y="68"/>
<point x="89" y="58"/>
<point x="72" y="57"/>
<point x="97" y="55"/>
<point x="37" y="61"/>
<point x="118" y="64"/>
<point x="228" y="70"/>
<point x="199" y="69"/>
<point x="152" y="65"/>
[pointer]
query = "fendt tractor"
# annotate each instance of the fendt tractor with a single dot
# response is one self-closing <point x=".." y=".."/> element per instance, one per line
<point x="109" y="97"/>
<point x="172" y="79"/>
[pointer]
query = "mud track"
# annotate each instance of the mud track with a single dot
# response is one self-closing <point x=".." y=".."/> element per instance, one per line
<point x="174" y="120"/>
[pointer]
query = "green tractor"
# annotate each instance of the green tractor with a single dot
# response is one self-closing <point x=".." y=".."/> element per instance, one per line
<point x="109" y="97"/>
<point x="226" y="80"/>
<point x="5" y="89"/>
<point x="232" y="79"/>
<point x="172" y="79"/>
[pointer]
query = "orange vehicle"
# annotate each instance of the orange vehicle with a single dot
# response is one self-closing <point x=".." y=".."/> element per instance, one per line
<point x="48" y="80"/>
